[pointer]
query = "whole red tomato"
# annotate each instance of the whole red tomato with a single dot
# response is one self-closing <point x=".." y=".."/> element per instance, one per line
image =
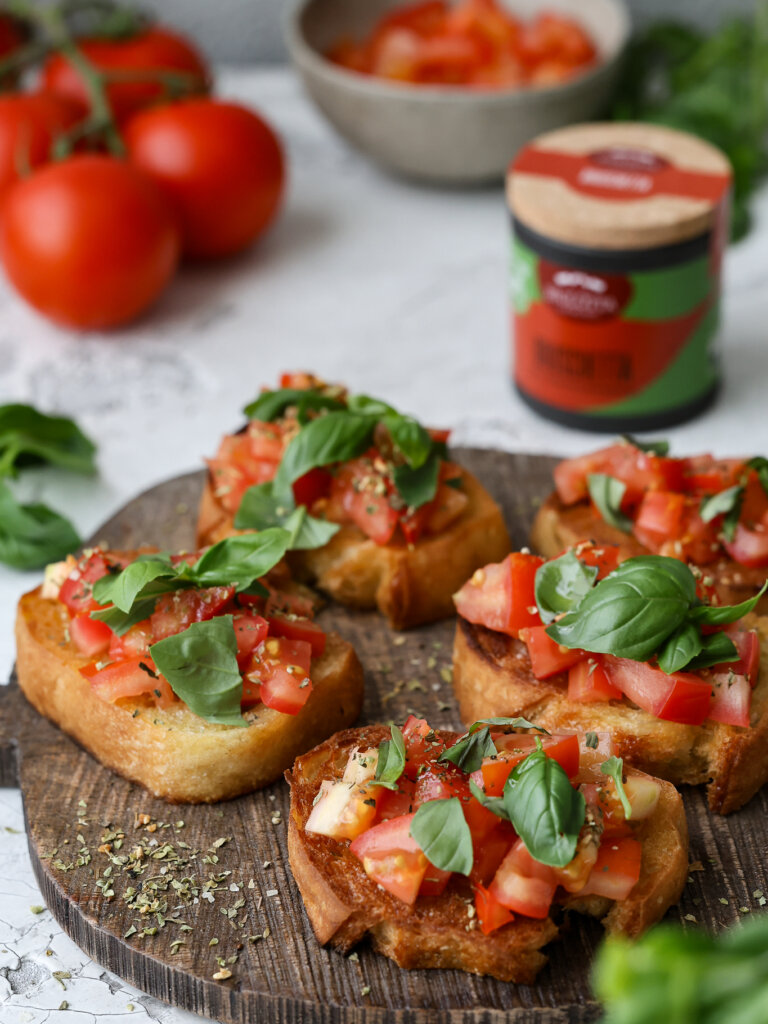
<point x="220" y="166"/>
<point x="89" y="242"/>
<point x="29" y="122"/>
<point x="155" y="49"/>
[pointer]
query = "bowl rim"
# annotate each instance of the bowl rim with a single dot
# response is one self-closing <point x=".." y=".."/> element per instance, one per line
<point x="303" y="54"/>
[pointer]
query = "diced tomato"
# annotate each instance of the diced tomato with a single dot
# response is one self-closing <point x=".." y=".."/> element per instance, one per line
<point x="524" y="885"/>
<point x="704" y="474"/>
<point x="445" y="508"/>
<point x="130" y="678"/>
<point x="289" y="602"/>
<point x="362" y="495"/>
<point x="282" y="666"/>
<point x="680" y="697"/>
<point x="611" y="813"/>
<point x="754" y="505"/>
<point x="442" y="780"/>
<point x="604" y="556"/>
<point x="588" y="682"/>
<point x="501" y="596"/>
<point x="395" y="802"/>
<point x="425" y="17"/>
<point x="699" y="542"/>
<point x="76" y="590"/>
<point x="89" y="635"/>
<point x="250" y="631"/>
<point x="590" y="757"/>
<point x="435" y="881"/>
<point x="175" y="612"/>
<point x="439" y="435"/>
<point x="749" y="547"/>
<point x="659" y="518"/>
<point x="251" y="693"/>
<point x="748" y="646"/>
<point x="344" y="810"/>
<point x="490" y="913"/>
<point x="312" y="486"/>
<point x="490" y="851"/>
<point x="133" y="643"/>
<point x="299" y="379"/>
<point x="265" y="442"/>
<point x="639" y="471"/>
<point x="553" y="35"/>
<point x="513" y="748"/>
<point x="299" y="628"/>
<point x="392" y="858"/>
<point x="731" y="699"/>
<point x="617" y="869"/>
<point x="421" y="744"/>
<point x="547" y="656"/>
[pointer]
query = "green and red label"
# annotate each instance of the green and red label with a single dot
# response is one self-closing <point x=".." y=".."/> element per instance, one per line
<point x="614" y="344"/>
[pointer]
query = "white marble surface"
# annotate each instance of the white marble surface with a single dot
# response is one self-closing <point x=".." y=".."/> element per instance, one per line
<point x="396" y="289"/>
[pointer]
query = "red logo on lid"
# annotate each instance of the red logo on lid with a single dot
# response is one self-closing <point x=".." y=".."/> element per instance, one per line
<point x="581" y="294"/>
<point x="622" y="158"/>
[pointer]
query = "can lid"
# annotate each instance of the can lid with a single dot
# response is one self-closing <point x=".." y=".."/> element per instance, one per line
<point x="618" y="185"/>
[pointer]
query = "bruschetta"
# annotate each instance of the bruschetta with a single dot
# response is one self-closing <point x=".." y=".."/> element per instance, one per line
<point x="382" y="518"/>
<point x="712" y="513"/>
<point x="199" y="676"/>
<point x="635" y="648"/>
<point x="463" y="851"/>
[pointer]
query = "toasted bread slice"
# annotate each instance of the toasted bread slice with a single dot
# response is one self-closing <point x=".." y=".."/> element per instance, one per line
<point x="492" y="676"/>
<point x="344" y="904"/>
<point x="173" y="753"/>
<point x="558" y="526"/>
<point x="409" y="584"/>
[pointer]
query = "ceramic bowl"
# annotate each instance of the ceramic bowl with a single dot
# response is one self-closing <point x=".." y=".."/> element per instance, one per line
<point x="447" y="134"/>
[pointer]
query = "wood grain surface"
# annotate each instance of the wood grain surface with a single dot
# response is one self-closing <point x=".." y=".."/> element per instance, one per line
<point x="166" y="895"/>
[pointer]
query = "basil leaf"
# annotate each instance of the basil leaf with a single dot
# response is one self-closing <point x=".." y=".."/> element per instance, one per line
<point x="200" y="665"/>
<point x="614" y="767"/>
<point x="606" y="492"/>
<point x="260" y="510"/>
<point x="728" y="503"/>
<point x="30" y="437"/>
<point x="513" y="723"/>
<point x="391" y="762"/>
<point x="239" y="560"/>
<point x="367" y="406"/>
<point x="684" y="644"/>
<point x="468" y="752"/>
<point x="441" y="830"/>
<point x="562" y="584"/>
<point x="760" y="465"/>
<point x="120" y="622"/>
<point x="123" y="588"/>
<point x="544" y="808"/>
<point x="653" y="447"/>
<point x="33" y="535"/>
<point x="418" y="486"/>
<point x="716" y="648"/>
<point x="409" y="437"/>
<point x="270" y="405"/>
<point x="336" y="437"/>
<point x="495" y="804"/>
<point x="709" y="615"/>
<point x="632" y="611"/>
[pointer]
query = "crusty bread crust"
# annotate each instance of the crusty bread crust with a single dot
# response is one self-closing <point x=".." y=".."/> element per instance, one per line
<point x="492" y="676"/>
<point x="558" y="526"/>
<point x="174" y="753"/>
<point x="410" y="585"/>
<point x="343" y="904"/>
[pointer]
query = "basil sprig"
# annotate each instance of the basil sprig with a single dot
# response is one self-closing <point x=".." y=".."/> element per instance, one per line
<point x="650" y="447"/>
<point x="614" y="768"/>
<point x="648" y="606"/>
<point x="235" y="561"/>
<point x="727" y="503"/>
<point x="562" y="584"/>
<point x="200" y="665"/>
<point x="391" y="761"/>
<point x="29" y="437"/>
<point x="270" y="405"/>
<point x="342" y="433"/>
<point x="469" y="750"/>
<point x="441" y="830"/>
<point x="606" y="492"/>
<point x="544" y="808"/>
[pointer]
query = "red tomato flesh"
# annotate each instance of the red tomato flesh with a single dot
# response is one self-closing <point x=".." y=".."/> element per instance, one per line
<point x="548" y="658"/>
<point x="501" y="596"/>
<point x="514" y="748"/>
<point x="680" y="697"/>
<point x="523" y="885"/>
<point x="392" y="858"/>
<point x="616" y="871"/>
<point x="588" y="682"/>
<point x="490" y="913"/>
<point x="89" y="635"/>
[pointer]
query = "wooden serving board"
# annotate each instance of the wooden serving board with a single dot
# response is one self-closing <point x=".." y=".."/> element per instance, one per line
<point x="218" y="877"/>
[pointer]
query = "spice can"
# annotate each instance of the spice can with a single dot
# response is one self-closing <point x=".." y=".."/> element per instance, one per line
<point x="618" y="234"/>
